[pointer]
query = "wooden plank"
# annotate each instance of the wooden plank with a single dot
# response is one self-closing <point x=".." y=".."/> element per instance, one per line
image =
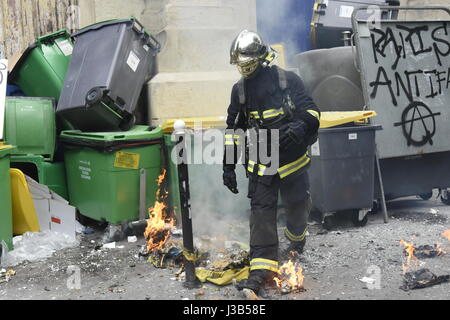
<point x="22" y="21"/>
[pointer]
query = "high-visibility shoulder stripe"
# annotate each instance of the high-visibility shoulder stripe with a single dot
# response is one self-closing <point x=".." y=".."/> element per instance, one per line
<point x="314" y="113"/>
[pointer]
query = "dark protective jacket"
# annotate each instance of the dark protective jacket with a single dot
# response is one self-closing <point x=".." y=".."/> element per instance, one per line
<point x="264" y="99"/>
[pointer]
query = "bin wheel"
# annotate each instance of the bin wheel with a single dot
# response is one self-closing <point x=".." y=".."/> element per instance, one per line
<point x="127" y="123"/>
<point x="426" y="196"/>
<point x="445" y="197"/>
<point x="95" y="95"/>
<point x="357" y="222"/>
<point x="329" y="222"/>
<point x="375" y="207"/>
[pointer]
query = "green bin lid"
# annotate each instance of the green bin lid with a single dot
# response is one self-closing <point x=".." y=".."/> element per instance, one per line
<point x="108" y="141"/>
<point x="5" y="150"/>
<point x="136" y="133"/>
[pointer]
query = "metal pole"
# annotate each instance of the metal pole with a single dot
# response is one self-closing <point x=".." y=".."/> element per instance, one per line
<point x="191" y="281"/>
<point x="380" y="180"/>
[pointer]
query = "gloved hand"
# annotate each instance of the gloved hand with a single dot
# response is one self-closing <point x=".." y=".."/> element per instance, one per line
<point x="292" y="134"/>
<point x="229" y="179"/>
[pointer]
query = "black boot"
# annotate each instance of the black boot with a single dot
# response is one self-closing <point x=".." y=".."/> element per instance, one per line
<point x="294" y="249"/>
<point x="257" y="280"/>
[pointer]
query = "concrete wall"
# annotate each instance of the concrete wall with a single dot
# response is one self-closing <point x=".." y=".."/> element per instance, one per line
<point x="425" y="14"/>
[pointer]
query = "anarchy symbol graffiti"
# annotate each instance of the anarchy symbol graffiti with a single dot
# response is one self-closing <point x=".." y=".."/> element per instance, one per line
<point x="418" y="124"/>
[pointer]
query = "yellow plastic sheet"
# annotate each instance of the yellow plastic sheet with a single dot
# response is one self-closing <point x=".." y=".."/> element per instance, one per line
<point x="24" y="213"/>
<point x="223" y="278"/>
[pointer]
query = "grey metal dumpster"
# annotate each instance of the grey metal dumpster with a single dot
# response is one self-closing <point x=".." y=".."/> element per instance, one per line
<point x="405" y="76"/>
<point x="342" y="171"/>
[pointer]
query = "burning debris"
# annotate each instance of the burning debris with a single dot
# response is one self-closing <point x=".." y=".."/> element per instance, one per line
<point x="290" y="278"/>
<point x="422" y="252"/>
<point x="446" y="234"/>
<point x="413" y="254"/>
<point x="5" y="276"/>
<point x="427" y="251"/>
<point x="159" y="225"/>
<point x="422" y="278"/>
<point x="411" y="259"/>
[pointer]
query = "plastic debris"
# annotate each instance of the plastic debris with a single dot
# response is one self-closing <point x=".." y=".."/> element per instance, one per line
<point x="422" y="278"/>
<point x="132" y="239"/>
<point x="36" y="246"/>
<point x="5" y="276"/>
<point x="111" y="245"/>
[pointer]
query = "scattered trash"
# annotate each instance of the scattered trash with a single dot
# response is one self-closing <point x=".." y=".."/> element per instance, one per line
<point x="111" y="245"/>
<point x="5" y="276"/>
<point x="132" y="239"/>
<point x="428" y="251"/>
<point x="79" y="228"/>
<point x="36" y="246"/>
<point x="434" y="211"/>
<point x="250" y="295"/>
<point x="422" y="278"/>
<point x="367" y="280"/>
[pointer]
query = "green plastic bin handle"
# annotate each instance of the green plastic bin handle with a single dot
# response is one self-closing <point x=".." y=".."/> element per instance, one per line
<point x="50" y="37"/>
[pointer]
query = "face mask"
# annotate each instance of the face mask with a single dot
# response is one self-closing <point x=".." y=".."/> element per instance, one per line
<point x="248" y="68"/>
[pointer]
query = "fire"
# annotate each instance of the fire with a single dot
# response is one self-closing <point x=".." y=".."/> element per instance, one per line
<point x="446" y="234"/>
<point x="290" y="277"/>
<point x="159" y="225"/>
<point x="411" y="257"/>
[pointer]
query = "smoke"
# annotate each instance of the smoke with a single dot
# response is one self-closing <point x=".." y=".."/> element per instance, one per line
<point x="215" y="210"/>
<point x="286" y="22"/>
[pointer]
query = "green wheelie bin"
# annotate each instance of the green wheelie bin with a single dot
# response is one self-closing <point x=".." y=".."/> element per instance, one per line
<point x="6" y="220"/>
<point x="42" y="69"/>
<point x="107" y="171"/>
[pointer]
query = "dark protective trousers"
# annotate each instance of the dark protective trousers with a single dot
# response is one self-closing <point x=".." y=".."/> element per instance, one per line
<point x="264" y="193"/>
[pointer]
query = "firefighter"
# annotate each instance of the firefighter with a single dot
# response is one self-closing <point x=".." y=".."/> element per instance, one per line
<point x="270" y="98"/>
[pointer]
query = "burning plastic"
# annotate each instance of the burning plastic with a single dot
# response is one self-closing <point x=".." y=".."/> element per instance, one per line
<point x="422" y="278"/>
<point x="159" y="224"/>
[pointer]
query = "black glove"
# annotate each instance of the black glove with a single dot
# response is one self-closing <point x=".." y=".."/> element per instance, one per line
<point x="229" y="179"/>
<point x="292" y="134"/>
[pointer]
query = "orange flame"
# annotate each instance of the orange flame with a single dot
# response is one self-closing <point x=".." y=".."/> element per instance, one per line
<point x="446" y="234"/>
<point x="411" y="258"/>
<point x="159" y="225"/>
<point x="290" y="275"/>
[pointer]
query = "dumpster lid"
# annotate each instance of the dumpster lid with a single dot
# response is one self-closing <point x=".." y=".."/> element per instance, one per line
<point x="136" y="133"/>
<point x="5" y="150"/>
<point x="334" y="119"/>
<point x="154" y="44"/>
<point x="206" y="123"/>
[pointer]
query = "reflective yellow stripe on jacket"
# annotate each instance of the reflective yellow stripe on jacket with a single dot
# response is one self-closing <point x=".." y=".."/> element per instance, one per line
<point x="264" y="264"/>
<point x="231" y="140"/>
<point x="272" y="113"/>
